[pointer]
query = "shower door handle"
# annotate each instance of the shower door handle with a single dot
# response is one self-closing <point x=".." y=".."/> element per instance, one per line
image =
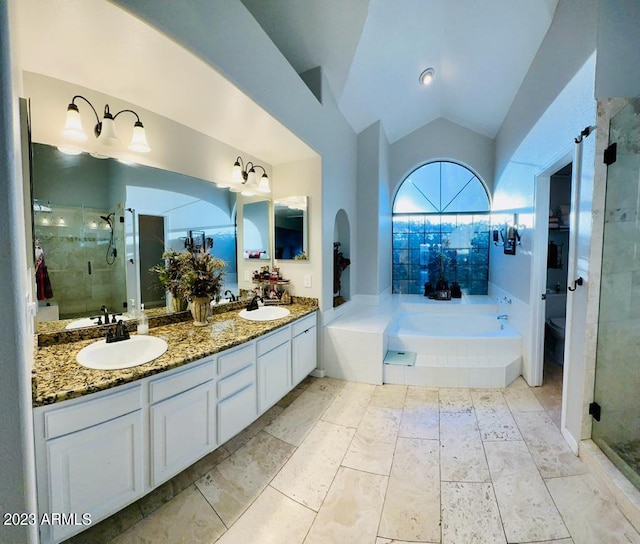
<point x="89" y="267"/>
<point x="543" y="296"/>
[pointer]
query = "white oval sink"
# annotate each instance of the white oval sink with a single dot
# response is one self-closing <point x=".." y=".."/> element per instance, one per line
<point x="138" y="350"/>
<point x="90" y="322"/>
<point x="264" y="313"/>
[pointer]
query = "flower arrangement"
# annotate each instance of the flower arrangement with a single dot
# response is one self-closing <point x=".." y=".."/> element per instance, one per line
<point x="201" y="275"/>
<point x="169" y="273"/>
<point x="190" y="274"/>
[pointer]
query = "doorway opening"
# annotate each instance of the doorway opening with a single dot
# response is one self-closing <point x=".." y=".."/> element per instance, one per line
<point x="151" y="230"/>
<point x="558" y="236"/>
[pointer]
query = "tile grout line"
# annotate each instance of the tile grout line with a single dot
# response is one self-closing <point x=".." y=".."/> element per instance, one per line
<point x="486" y="460"/>
<point x="538" y="470"/>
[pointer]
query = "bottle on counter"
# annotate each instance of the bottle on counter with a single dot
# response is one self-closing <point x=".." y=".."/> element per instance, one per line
<point x="143" y="322"/>
<point x="133" y="311"/>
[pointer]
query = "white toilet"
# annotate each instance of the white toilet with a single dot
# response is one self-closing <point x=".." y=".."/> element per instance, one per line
<point x="555" y="326"/>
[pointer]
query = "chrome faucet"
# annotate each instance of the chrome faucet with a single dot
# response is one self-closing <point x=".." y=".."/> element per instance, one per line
<point x="503" y="317"/>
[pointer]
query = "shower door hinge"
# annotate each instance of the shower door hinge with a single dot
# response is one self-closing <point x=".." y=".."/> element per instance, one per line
<point x="594" y="410"/>
<point x="611" y="154"/>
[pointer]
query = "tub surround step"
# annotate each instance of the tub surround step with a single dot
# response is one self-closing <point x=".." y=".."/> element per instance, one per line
<point x="456" y="371"/>
<point x="405" y="358"/>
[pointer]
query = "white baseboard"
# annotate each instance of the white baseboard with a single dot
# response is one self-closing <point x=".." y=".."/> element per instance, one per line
<point x="317" y="373"/>
<point x="570" y="440"/>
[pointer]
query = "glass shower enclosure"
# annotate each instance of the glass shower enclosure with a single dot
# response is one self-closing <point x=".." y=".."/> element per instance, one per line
<point x="616" y="429"/>
<point x="84" y="257"/>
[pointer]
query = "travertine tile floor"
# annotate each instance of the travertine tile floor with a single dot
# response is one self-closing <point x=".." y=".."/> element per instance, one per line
<point x="348" y="463"/>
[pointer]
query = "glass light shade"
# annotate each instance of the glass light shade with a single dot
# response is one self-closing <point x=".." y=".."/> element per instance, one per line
<point x="108" y="135"/>
<point x="263" y="186"/>
<point x="73" y="126"/>
<point x="236" y="175"/>
<point x="251" y="178"/>
<point x="139" y="139"/>
<point x="250" y="186"/>
<point x="69" y="150"/>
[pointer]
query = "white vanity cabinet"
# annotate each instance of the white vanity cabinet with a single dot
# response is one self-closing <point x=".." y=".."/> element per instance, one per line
<point x="98" y="453"/>
<point x="274" y="368"/>
<point x="92" y="459"/>
<point x="181" y="419"/>
<point x="304" y="355"/>
<point x="237" y="402"/>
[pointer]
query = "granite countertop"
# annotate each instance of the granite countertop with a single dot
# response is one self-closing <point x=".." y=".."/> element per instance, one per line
<point x="57" y="376"/>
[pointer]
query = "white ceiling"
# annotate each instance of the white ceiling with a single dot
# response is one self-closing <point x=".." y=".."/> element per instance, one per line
<point x="372" y="52"/>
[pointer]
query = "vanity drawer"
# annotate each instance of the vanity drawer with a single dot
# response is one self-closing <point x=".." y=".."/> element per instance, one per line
<point x="91" y="412"/>
<point x="236" y="412"/>
<point x="235" y="360"/>
<point x="273" y="340"/>
<point x="163" y="388"/>
<point x="303" y="324"/>
<point x="236" y="382"/>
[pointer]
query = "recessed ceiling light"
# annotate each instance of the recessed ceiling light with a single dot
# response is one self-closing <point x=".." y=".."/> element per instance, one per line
<point x="426" y="77"/>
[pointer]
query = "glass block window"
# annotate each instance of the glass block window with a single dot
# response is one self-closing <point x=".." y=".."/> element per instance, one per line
<point x="441" y="229"/>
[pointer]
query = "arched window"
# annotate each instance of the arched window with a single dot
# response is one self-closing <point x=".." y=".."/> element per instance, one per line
<point x="441" y="230"/>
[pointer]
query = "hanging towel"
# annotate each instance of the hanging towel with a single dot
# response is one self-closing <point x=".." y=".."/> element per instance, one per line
<point x="43" y="283"/>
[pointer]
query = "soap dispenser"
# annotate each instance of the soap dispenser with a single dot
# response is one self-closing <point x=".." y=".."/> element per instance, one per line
<point x="143" y="322"/>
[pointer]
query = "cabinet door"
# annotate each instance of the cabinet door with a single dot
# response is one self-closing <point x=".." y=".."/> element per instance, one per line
<point x="236" y="412"/>
<point x="96" y="470"/>
<point x="274" y="376"/>
<point x="304" y="356"/>
<point x="182" y="431"/>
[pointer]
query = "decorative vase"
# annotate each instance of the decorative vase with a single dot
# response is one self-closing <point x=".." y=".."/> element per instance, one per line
<point x="200" y="310"/>
<point x="178" y="304"/>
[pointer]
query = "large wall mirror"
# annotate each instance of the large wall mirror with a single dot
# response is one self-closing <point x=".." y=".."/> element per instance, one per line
<point x="100" y="224"/>
<point x="290" y="228"/>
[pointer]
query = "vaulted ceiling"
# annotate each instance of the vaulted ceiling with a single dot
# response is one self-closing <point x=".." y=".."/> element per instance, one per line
<point x="372" y="52"/>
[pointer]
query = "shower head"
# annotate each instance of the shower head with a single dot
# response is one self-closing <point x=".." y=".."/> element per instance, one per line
<point x="107" y="218"/>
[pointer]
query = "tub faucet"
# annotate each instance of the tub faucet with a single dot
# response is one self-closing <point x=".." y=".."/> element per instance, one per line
<point x="503" y="317"/>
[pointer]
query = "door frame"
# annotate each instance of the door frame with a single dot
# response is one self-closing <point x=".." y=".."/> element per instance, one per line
<point x="542" y="190"/>
<point x="133" y="249"/>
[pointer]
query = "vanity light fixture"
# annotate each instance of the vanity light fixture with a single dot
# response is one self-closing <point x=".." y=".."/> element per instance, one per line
<point x="243" y="179"/>
<point x="105" y="130"/>
<point x="426" y="77"/>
